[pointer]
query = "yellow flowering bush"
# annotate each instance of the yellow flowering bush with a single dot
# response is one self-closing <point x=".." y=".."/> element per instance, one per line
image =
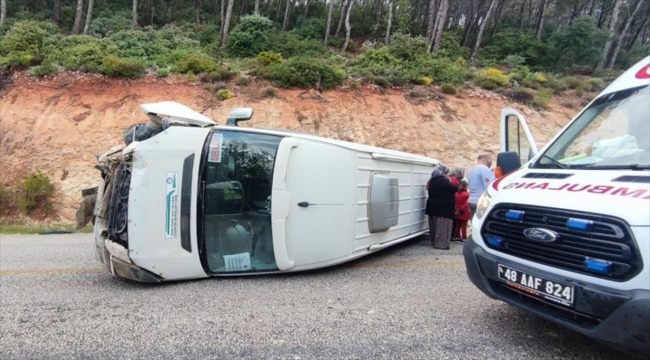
<point x="225" y="94"/>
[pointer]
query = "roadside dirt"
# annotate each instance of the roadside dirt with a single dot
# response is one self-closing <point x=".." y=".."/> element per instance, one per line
<point x="58" y="124"/>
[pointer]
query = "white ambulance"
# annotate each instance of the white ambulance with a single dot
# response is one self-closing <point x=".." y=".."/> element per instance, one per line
<point x="567" y="235"/>
<point x="185" y="198"/>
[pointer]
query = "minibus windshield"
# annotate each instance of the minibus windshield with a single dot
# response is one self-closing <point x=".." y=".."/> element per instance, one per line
<point x="235" y="202"/>
<point x="612" y="133"/>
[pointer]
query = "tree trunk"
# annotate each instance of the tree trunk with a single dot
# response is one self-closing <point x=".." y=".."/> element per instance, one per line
<point x="57" y="10"/>
<point x="329" y="22"/>
<point x="610" y="39"/>
<point x="222" y="18"/>
<point x="304" y="16"/>
<point x="390" y="20"/>
<point x="630" y="43"/>
<point x="470" y="22"/>
<point x="76" y="27"/>
<point x="89" y="16"/>
<point x="344" y="4"/>
<point x="378" y="11"/>
<point x="602" y="16"/>
<point x="347" y="25"/>
<point x="134" y="13"/>
<point x="226" y="24"/>
<point x="257" y="7"/>
<point x="442" y="19"/>
<point x="497" y="17"/>
<point x="3" y="11"/>
<point x="521" y="14"/>
<point x="617" y="48"/>
<point x="540" y="20"/>
<point x="431" y="22"/>
<point x="287" y="12"/>
<point x="481" y="29"/>
<point x="197" y="11"/>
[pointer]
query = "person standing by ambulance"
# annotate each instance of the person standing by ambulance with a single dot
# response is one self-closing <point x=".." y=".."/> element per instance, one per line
<point x="479" y="177"/>
<point x="440" y="207"/>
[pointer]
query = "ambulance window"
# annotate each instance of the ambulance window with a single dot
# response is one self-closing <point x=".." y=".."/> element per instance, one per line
<point x="383" y="204"/>
<point x="612" y="133"/>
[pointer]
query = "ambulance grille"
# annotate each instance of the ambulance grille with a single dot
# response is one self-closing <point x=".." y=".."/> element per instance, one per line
<point x="607" y="240"/>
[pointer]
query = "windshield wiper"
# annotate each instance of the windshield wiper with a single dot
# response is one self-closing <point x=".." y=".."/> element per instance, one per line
<point x="619" y="167"/>
<point x="555" y="162"/>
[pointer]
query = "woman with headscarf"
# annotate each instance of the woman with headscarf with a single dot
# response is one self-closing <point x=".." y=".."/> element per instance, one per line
<point x="440" y="207"/>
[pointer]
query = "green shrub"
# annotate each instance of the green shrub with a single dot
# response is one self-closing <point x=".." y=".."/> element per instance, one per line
<point x="243" y="81"/>
<point x="576" y="83"/>
<point x="450" y="45"/>
<point x="193" y="62"/>
<point x="408" y="48"/>
<point x="78" y="52"/>
<point x="224" y="94"/>
<point x="543" y="98"/>
<point x="250" y="37"/>
<point x="219" y="74"/>
<point x="305" y="72"/>
<point x="312" y="28"/>
<point x="269" y="92"/>
<point x="106" y="25"/>
<point x="162" y="72"/>
<point x="512" y="61"/>
<point x="558" y="85"/>
<point x="376" y="61"/>
<point x="354" y="84"/>
<point x="23" y="42"/>
<point x="530" y="83"/>
<point x="520" y="95"/>
<point x="448" y="89"/>
<point x="269" y="57"/>
<point x="46" y="68"/>
<point x="441" y="69"/>
<point x="418" y="94"/>
<point x="36" y="191"/>
<point x="290" y="45"/>
<point x="491" y="79"/>
<point x="516" y="47"/>
<point x="125" y="68"/>
<point x="380" y="81"/>
<point x="596" y="84"/>
<point x="520" y="73"/>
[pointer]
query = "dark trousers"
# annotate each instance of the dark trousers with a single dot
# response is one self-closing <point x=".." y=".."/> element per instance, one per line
<point x="472" y="211"/>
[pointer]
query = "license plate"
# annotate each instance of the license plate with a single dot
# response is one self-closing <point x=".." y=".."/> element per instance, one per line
<point x="537" y="286"/>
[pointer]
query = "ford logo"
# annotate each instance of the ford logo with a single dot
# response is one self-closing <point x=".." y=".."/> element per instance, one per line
<point x="541" y="235"/>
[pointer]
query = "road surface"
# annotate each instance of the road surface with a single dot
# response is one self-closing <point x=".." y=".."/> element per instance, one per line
<point x="407" y="302"/>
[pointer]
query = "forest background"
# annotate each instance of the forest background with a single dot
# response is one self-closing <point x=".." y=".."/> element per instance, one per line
<point x="527" y="51"/>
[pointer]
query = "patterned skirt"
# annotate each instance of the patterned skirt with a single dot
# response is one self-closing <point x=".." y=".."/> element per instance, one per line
<point x="440" y="231"/>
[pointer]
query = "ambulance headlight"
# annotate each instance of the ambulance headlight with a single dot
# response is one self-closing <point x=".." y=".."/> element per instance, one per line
<point x="483" y="204"/>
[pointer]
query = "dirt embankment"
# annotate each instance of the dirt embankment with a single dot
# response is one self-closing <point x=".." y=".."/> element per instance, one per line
<point x="57" y="125"/>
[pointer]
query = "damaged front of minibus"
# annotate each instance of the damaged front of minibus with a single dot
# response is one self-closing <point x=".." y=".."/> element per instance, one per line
<point x="142" y="205"/>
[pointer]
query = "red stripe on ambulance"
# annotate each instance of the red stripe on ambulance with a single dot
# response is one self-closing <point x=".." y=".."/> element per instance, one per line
<point x="588" y="188"/>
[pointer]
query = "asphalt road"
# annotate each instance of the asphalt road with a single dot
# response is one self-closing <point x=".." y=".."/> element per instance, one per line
<point x="407" y="302"/>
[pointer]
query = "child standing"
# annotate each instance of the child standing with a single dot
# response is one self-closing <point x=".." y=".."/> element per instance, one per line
<point x="461" y="213"/>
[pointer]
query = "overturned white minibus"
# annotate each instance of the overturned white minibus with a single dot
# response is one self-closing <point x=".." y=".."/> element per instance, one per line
<point x="186" y="198"/>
